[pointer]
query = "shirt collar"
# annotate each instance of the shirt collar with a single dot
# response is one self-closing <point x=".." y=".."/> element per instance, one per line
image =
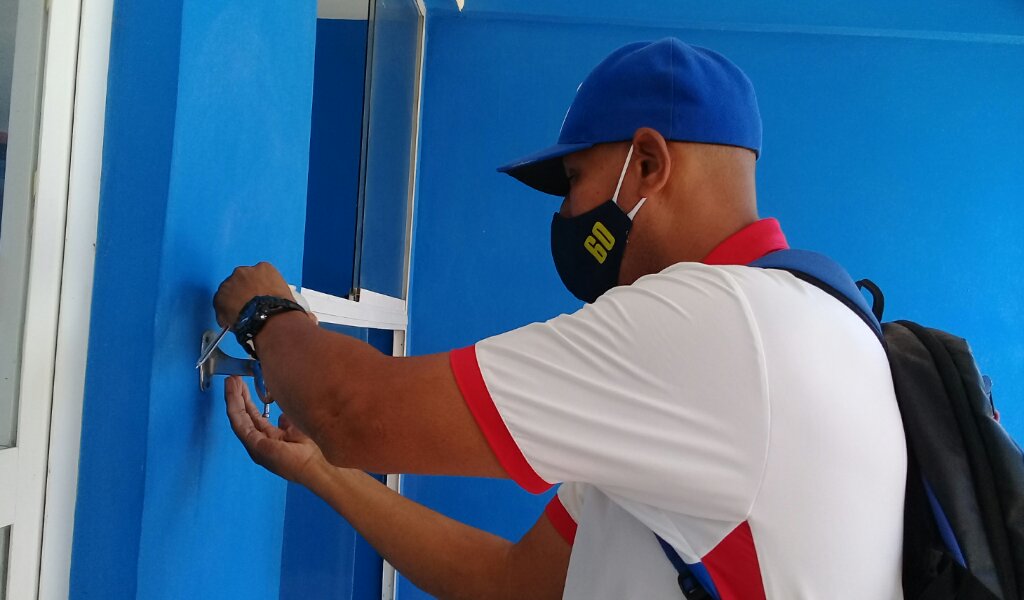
<point x="749" y="244"/>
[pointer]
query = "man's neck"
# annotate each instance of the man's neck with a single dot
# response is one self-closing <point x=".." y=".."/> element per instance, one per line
<point x="702" y="235"/>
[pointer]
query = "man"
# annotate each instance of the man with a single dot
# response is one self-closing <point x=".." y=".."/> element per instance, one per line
<point x="742" y="415"/>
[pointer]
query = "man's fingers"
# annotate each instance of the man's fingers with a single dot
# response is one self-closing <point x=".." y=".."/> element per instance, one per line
<point x="256" y="415"/>
<point x="236" y="394"/>
<point x="224" y="319"/>
<point x="241" y="421"/>
<point x="244" y="283"/>
<point x="243" y="391"/>
<point x="261" y="424"/>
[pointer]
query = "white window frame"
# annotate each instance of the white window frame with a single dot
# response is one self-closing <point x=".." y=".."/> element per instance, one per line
<point x="87" y="28"/>
<point x="59" y="289"/>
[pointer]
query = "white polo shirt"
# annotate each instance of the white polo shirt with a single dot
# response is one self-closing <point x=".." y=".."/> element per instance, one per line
<point x="744" y="415"/>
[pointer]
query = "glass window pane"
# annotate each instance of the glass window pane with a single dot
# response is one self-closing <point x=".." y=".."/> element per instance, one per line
<point x="391" y="109"/>
<point x="335" y="148"/>
<point x="8" y="25"/>
<point x="365" y="96"/>
<point x="21" y="58"/>
<point x="11" y="258"/>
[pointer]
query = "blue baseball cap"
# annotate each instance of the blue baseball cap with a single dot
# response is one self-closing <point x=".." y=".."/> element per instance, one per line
<point x="686" y="93"/>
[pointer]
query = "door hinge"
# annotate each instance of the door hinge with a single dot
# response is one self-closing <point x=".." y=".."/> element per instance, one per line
<point x="35" y="184"/>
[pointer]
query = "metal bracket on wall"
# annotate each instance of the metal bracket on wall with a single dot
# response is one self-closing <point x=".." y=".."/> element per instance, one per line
<point x="220" y="363"/>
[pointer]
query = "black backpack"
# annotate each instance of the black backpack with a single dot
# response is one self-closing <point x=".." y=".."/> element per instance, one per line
<point x="963" y="529"/>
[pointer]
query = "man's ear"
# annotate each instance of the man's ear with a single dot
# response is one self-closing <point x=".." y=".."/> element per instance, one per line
<point x="655" y="160"/>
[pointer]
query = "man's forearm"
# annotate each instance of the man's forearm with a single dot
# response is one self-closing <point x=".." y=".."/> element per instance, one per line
<point x="301" y="362"/>
<point x="443" y="557"/>
<point x="372" y="411"/>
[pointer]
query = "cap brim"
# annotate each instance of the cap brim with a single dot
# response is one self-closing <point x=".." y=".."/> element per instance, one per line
<point x="543" y="170"/>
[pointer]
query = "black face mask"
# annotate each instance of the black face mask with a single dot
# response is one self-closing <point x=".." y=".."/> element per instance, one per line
<point x="588" y="248"/>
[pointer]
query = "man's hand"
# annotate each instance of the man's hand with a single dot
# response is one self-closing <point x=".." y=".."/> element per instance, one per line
<point x="282" y="450"/>
<point x="243" y="285"/>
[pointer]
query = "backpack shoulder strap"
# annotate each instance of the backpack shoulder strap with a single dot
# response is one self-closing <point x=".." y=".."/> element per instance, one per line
<point x="830" y="277"/>
<point x="690" y="583"/>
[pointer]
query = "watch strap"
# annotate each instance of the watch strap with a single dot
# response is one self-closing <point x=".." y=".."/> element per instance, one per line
<point x="255" y="314"/>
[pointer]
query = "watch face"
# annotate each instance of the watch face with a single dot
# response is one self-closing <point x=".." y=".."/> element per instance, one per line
<point x="246" y="316"/>
<point x="257" y="311"/>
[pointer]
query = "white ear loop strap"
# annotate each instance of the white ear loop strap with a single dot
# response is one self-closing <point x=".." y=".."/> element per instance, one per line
<point x="636" y="208"/>
<point x="618" y="186"/>
<point x="622" y="175"/>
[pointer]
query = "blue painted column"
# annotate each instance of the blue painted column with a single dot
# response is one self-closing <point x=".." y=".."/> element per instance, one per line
<point x="205" y="164"/>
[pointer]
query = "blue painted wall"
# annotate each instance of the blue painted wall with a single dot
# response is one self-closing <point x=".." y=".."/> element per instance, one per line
<point x="205" y="164"/>
<point x="892" y="141"/>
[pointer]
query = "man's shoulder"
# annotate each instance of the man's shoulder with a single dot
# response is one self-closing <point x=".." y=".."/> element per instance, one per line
<point x="686" y="280"/>
<point x="696" y="269"/>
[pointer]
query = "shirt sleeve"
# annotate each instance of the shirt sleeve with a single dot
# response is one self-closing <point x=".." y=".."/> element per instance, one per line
<point x="564" y="511"/>
<point x="656" y="393"/>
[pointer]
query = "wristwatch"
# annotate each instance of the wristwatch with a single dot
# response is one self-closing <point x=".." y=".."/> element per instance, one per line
<point x="255" y="314"/>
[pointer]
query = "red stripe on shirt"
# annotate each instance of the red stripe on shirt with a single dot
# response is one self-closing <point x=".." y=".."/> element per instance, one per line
<point x="734" y="567"/>
<point x="474" y="391"/>
<point x="564" y="524"/>
<point x="749" y="244"/>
